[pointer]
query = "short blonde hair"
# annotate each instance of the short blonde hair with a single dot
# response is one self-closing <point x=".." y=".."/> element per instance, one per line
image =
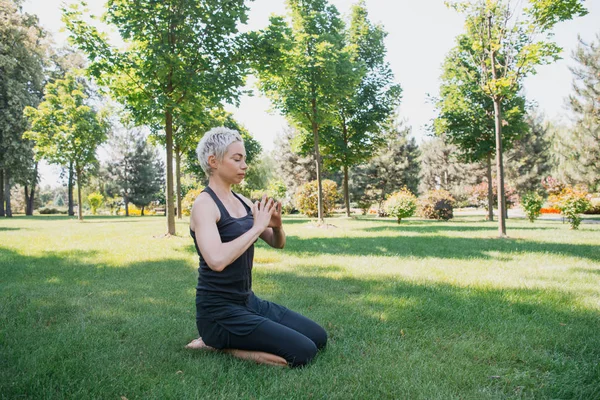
<point x="214" y="143"/>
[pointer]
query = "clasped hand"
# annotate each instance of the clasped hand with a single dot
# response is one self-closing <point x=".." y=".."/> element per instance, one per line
<point x="267" y="213"/>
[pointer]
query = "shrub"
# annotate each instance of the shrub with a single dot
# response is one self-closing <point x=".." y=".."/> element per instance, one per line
<point x="307" y="198"/>
<point x="49" y="210"/>
<point x="364" y="204"/>
<point x="437" y="204"/>
<point x="188" y="200"/>
<point x="95" y="199"/>
<point x="402" y="204"/>
<point x="571" y="202"/>
<point x="478" y="195"/>
<point x="532" y="205"/>
<point x="550" y="210"/>
<point x="594" y="207"/>
<point x="553" y="186"/>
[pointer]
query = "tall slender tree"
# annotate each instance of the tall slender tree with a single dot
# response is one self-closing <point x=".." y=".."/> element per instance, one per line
<point x="66" y="129"/>
<point x="466" y="113"/>
<point x="360" y="116"/>
<point x="23" y="52"/>
<point x="182" y="56"/>
<point x="508" y="44"/>
<point x="300" y="67"/>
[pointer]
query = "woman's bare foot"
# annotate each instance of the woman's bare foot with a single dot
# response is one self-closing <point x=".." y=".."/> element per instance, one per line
<point x="198" y="344"/>
<point x="256" y="356"/>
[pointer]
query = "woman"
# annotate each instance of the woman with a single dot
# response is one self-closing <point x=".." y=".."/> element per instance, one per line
<point x="224" y="226"/>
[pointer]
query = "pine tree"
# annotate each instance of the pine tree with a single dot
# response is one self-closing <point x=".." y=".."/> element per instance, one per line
<point x="394" y="166"/>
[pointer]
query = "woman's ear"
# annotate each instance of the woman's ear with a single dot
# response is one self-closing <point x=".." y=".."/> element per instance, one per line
<point x="212" y="162"/>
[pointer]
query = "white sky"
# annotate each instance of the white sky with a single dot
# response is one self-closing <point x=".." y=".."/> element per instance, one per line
<point x="420" y="35"/>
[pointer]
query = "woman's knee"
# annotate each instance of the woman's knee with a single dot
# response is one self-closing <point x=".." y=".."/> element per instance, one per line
<point x="302" y="353"/>
<point x="320" y="337"/>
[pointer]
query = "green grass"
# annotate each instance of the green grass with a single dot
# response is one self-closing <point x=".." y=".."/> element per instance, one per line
<point x="421" y="310"/>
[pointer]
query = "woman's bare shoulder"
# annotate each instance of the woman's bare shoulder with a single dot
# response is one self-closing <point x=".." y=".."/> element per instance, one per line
<point x="204" y="208"/>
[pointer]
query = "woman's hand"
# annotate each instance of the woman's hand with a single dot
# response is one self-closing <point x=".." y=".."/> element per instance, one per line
<point x="262" y="212"/>
<point x="276" y="217"/>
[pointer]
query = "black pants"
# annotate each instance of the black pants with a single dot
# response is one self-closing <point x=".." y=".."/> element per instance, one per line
<point x="294" y="338"/>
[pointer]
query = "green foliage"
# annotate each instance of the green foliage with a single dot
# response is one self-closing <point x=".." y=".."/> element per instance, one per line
<point x="305" y="68"/>
<point x="532" y="204"/>
<point x="577" y="147"/>
<point x="23" y="53"/>
<point x="135" y="168"/>
<point x="478" y="194"/>
<point x="571" y="202"/>
<point x="548" y="12"/>
<point x="394" y="166"/>
<point x="95" y="199"/>
<point x="529" y="159"/>
<point x="50" y="211"/>
<point x="188" y="200"/>
<point x="361" y="115"/>
<point x="466" y="111"/>
<point x="306" y="198"/>
<point x="437" y="204"/>
<point x="181" y="60"/>
<point x="401" y="204"/>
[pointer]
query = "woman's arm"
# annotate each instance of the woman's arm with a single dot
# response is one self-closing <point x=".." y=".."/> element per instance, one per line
<point x="219" y="255"/>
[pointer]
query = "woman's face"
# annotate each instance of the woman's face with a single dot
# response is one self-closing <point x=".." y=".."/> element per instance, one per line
<point x="233" y="166"/>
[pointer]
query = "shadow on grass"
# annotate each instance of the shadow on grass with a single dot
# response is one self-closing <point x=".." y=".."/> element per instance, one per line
<point x="7" y="229"/>
<point x="436" y="246"/>
<point x="114" y="327"/>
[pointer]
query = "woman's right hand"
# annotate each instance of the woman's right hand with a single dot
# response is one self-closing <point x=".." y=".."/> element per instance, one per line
<point x="262" y="212"/>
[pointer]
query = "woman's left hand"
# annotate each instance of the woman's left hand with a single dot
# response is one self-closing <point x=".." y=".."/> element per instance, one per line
<point x="276" y="217"/>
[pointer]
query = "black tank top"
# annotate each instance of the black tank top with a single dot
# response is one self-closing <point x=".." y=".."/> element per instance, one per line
<point x="235" y="281"/>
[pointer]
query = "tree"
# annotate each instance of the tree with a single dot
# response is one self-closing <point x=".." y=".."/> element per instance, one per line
<point x="147" y="174"/>
<point x="393" y="167"/>
<point x="301" y="68"/>
<point x="466" y="112"/>
<point x="582" y="149"/>
<point x="529" y="159"/>
<point x="66" y="129"/>
<point x="361" y="114"/>
<point x="182" y="58"/>
<point x="508" y="44"/>
<point x="23" y="51"/>
<point x="441" y="168"/>
<point x="293" y="168"/>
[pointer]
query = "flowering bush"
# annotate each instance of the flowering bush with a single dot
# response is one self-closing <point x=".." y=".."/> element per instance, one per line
<point x="188" y="200"/>
<point x="571" y="202"/>
<point x="402" y="204"/>
<point x="552" y="185"/>
<point x="479" y="195"/>
<point x="532" y="205"/>
<point x="437" y="204"/>
<point x="307" y="197"/>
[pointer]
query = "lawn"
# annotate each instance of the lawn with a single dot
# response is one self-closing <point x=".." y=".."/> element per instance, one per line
<point x="421" y="310"/>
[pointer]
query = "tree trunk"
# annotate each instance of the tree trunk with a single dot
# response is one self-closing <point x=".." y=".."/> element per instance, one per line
<point x="490" y="188"/>
<point x="79" y="204"/>
<point x="178" y="179"/>
<point x="30" y="197"/>
<point x="2" y="193"/>
<point x="126" y="201"/>
<point x="500" y="170"/>
<point x="170" y="207"/>
<point x="142" y="214"/>
<point x="346" y="191"/>
<point x="498" y="126"/>
<point x="7" y="209"/>
<point x="315" y="128"/>
<point x="70" y="189"/>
